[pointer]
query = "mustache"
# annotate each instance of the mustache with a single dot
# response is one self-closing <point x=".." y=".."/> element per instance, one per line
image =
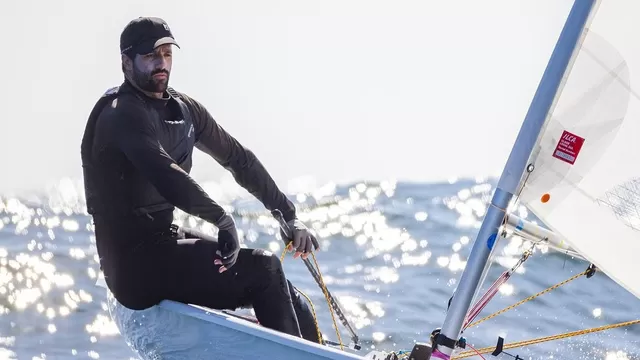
<point x="160" y="71"/>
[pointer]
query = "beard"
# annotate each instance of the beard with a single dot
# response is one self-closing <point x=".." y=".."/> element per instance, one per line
<point x="147" y="82"/>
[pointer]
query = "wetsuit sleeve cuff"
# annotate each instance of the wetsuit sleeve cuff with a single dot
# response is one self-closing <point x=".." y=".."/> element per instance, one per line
<point x="287" y="214"/>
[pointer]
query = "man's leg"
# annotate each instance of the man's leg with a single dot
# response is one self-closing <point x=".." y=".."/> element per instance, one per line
<point x="256" y="279"/>
<point x="306" y="320"/>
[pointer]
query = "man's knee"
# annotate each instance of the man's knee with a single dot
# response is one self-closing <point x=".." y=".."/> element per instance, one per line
<point x="266" y="259"/>
<point x="270" y="267"/>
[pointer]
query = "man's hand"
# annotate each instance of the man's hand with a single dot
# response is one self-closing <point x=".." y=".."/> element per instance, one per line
<point x="228" y="244"/>
<point x="303" y="239"/>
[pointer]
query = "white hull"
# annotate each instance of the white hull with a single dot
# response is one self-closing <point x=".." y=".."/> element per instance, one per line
<point x="174" y="330"/>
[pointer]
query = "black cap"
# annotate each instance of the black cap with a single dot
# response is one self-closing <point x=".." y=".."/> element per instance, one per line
<point x="144" y="34"/>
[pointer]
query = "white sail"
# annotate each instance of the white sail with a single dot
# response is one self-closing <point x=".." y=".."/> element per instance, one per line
<point x="585" y="184"/>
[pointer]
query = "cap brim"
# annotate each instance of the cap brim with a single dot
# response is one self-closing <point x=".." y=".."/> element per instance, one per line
<point x="165" y="41"/>
<point x="149" y="46"/>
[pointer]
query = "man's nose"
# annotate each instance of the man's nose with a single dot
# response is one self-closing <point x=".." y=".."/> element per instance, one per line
<point x="161" y="63"/>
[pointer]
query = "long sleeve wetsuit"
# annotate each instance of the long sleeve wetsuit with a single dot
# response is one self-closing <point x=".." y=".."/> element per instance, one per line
<point x="137" y="153"/>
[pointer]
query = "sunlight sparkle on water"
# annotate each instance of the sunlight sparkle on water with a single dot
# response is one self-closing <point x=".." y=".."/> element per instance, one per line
<point x="508" y="262"/>
<point x="352" y="269"/>
<point x="416" y="260"/>
<point x="275" y="246"/>
<point x="597" y="312"/>
<point x="470" y="204"/>
<point x="464" y="194"/>
<point x="348" y="232"/>
<point x="384" y="274"/>
<point x="378" y="336"/>
<point x="102" y="325"/>
<point x="30" y="270"/>
<point x="70" y="225"/>
<point x="456" y="263"/>
<point x="409" y="245"/>
<point x="421" y="216"/>
<point x="618" y="355"/>
<point x="52" y="222"/>
<point x="443" y="261"/>
<point x="91" y="272"/>
<point x="506" y="289"/>
<point x="361" y="239"/>
<point x="359" y="312"/>
<point x="374" y="262"/>
<point x="388" y="187"/>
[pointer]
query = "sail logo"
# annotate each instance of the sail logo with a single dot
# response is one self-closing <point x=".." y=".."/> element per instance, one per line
<point x="568" y="147"/>
<point x="570" y="138"/>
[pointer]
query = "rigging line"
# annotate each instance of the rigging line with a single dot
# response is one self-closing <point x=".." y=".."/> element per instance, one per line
<point x="490" y="349"/>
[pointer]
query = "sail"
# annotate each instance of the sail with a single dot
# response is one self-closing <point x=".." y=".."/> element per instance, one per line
<point x="585" y="183"/>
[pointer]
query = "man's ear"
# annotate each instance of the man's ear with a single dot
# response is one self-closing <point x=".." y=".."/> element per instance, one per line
<point x="127" y="63"/>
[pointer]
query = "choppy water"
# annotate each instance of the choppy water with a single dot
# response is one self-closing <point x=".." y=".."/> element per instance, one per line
<point x="392" y="253"/>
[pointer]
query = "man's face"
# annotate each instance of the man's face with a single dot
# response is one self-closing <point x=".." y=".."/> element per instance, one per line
<point x="151" y="71"/>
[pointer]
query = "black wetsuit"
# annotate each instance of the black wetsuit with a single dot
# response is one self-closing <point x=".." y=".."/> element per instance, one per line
<point x="136" y="156"/>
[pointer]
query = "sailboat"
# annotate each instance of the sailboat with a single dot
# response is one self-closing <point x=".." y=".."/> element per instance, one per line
<point x="572" y="165"/>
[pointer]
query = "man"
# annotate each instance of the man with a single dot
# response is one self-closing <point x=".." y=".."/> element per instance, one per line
<point x="136" y="156"/>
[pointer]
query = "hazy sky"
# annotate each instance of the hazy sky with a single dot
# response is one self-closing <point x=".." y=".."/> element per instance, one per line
<point x="417" y="90"/>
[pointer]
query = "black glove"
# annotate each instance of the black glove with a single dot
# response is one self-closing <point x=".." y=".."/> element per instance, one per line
<point x="228" y="244"/>
<point x="302" y="238"/>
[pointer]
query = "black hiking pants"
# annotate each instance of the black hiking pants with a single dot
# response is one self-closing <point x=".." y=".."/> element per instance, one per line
<point x="183" y="270"/>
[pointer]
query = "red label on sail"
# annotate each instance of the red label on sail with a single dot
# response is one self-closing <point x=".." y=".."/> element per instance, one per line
<point x="568" y="147"/>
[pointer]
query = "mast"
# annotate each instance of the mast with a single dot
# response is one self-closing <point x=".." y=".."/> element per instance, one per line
<point x="539" y="110"/>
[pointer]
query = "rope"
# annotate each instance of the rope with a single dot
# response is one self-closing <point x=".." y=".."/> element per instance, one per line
<point x="588" y="272"/>
<point x="476" y="352"/>
<point x="490" y="349"/>
<point x="313" y="310"/>
<point x="529" y="298"/>
<point x="326" y="295"/>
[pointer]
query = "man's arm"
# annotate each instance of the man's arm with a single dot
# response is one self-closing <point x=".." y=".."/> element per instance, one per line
<point x="135" y="136"/>
<point x="243" y="164"/>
